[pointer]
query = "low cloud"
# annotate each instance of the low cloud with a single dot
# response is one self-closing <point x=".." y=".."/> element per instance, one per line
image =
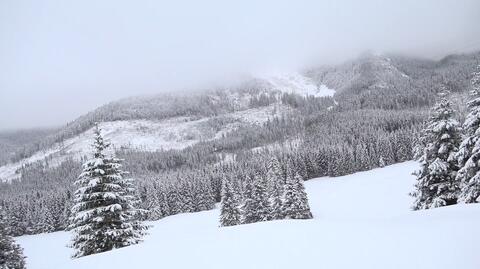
<point x="62" y="59"/>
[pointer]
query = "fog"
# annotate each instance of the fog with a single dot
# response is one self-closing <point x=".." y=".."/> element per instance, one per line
<point x="60" y="59"/>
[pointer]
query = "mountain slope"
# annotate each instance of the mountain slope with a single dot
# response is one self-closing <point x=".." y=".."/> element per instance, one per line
<point x="148" y="135"/>
<point x="170" y="121"/>
<point x="298" y="84"/>
<point x="367" y="72"/>
<point x="373" y="71"/>
<point x="11" y="141"/>
<point x="360" y="221"/>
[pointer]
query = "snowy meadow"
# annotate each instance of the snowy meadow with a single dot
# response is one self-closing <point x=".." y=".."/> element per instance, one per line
<point x="361" y="220"/>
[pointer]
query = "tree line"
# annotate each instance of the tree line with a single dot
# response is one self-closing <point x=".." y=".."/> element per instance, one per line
<point x="276" y="194"/>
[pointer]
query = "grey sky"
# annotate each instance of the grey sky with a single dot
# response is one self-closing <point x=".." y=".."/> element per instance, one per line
<point x="60" y="59"/>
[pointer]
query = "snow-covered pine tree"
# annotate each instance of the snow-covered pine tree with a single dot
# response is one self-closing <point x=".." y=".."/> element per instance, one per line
<point x="230" y="213"/>
<point x="275" y="180"/>
<point x="295" y="200"/>
<point x="468" y="155"/>
<point x="436" y="184"/>
<point x="11" y="255"/>
<point x="104" y="216"/>
<point x="204" y="198"/>
<point x="187" y="194"/>
<point x="256" y="206"/>
<point x="158" y="204"/>
<point x="248" y="203"/>
<point x="173" y="200"/>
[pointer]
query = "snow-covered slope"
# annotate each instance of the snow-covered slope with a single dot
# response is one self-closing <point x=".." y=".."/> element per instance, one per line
<point x="298" y="84"/>
<point x="173" y="133"/>
<point x="360" y="221"/>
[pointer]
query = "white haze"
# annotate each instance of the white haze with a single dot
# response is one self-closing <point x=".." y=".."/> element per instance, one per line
<point x="60" y="59"/>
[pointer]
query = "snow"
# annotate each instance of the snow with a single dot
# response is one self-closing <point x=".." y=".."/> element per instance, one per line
<point x="360" y="221"/>
<point x="299" y="84"/>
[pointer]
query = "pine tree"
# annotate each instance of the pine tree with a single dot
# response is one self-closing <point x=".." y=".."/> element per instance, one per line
<point x="104" y="216"/>
<point x="204" y="197"/>
<point x="187" y="194"/>
<point x="230" y="213"/>
<point x="256" y="206"/>
<point x="276" y="181"/>
<point x="295" y="200"/>
<point x="173" y="199"/>
<point x="468" y="155"/>
<point x="436" y="184"/>
<point x="11" y="254"/>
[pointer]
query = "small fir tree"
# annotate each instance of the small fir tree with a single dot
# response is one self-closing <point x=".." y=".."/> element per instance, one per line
<point x="104" y="216"/>
<point x="468" y="155"/>
<point x="436" y="184"/>
<point x="276" y="181"/>
<point x="256" y="206"/>
<point x="230" y="213"/>
<point x="11" y="254"/>
<point x="295" y="200"/>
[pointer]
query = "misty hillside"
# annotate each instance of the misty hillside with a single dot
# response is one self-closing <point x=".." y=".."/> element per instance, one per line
<point x="369" y="72"/>
<point x="400" y="80"/>
<point x="328" y="121"/>
<point x="11" y="142"/>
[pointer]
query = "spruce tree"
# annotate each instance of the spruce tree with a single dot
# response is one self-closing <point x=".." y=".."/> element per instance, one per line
<point x="11" y="254"/>
<point x="204" y="199"/>
<point x="468" y="155"/>
<point x="436" y="184"/>
<point x="295" y="200"/>
<point x="230" y="213"/>
<point x="276" y="181"/>
<point x="104" y="216"/>
<point x="256" y="205"/>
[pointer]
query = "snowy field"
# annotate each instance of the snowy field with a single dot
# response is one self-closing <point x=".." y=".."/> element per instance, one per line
<point x="360" y="221"/>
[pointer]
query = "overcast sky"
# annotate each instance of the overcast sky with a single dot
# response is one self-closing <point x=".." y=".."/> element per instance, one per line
<point x="60" y="59"/>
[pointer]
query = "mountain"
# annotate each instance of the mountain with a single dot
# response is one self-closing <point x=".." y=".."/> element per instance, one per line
<point x="170" y="121"/>
<point x="189" y="117"/>
<point x="365" y="215"/>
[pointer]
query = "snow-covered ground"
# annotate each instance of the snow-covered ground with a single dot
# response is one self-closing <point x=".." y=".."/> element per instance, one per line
<point x="360" y="221"/>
